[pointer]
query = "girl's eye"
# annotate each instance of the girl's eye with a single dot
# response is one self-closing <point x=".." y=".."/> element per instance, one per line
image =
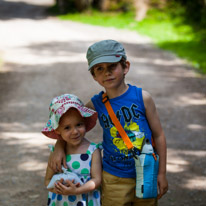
<point x="67" y="128"/>
<point x="80" y="124"/>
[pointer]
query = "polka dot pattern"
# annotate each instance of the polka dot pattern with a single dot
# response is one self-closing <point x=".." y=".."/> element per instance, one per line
<point x="49" y="201"/>
<point x="96" y="194"/>
<point x="91" y="203"/>
<point x="84" y="157"/>
<point x="81" y="165"/>
<point x="53" y="196"/>
<point x="65" y="204"/>
<point x="85" y="171"/>
<point x="75" y="165"/>
<point x="80" y="204"/>
<point x="59" y="197"/>
<point x="68" y="158"/>
<point x="72" y="198"/>
<point x="84" y="197"/>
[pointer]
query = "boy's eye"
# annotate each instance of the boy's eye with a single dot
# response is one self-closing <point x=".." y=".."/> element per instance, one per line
<point x="99" y="69"/>
<point x="112" y="66"/>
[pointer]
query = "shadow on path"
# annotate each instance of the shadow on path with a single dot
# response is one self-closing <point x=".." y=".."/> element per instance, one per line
<point x="60" y="67"/>
<point x="11" y="10"/>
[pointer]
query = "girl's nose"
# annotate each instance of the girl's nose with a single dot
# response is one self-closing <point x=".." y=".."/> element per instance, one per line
<point x="75" y="130"/>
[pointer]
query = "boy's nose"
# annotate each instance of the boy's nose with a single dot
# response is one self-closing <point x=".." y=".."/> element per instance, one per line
<point x="107" y="71"/>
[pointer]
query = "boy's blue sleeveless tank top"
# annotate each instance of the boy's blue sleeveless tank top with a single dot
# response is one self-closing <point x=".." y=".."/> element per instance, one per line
<point x="129" y="109"/>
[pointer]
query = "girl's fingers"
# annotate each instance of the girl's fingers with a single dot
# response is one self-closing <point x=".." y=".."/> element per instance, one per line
<point x="68" y="183"/>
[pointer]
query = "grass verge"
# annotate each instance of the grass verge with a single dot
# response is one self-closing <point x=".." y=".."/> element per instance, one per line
<point x="167" y="29"/>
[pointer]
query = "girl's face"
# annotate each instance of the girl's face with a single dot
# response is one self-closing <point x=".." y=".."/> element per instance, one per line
<point x="72" y="127"/>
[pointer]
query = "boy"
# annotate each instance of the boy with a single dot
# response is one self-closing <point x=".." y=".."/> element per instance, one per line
<point x="137" y="114"/>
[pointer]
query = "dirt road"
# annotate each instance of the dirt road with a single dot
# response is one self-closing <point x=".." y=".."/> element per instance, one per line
<point x="44" y="57"/>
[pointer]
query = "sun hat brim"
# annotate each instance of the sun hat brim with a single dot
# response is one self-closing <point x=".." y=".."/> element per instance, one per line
<point x="105" y="59"/>
<point x="87" y="113"/>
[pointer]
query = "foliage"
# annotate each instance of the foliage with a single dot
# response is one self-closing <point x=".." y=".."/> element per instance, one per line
<point x="64" y="6"/>
<point x="168" y="27"/>
<point x="195" y="11"/>
<point x="120" y="5"/>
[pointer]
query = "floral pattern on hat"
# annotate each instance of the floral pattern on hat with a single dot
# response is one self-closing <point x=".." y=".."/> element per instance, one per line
<point x="60" y="105"/>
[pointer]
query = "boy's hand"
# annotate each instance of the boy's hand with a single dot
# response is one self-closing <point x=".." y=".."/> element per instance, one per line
<point x="56" y="160"/>
<point x="162" y="185"/>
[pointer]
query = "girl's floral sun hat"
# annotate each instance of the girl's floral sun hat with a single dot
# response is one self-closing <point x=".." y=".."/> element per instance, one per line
<point x="60" y="105"/>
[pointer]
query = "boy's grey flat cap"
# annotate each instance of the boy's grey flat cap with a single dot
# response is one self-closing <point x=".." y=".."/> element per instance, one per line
<point x="106" y="51"/>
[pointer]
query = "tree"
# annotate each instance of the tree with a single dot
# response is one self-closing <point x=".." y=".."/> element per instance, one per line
<point x="66" y="5"/>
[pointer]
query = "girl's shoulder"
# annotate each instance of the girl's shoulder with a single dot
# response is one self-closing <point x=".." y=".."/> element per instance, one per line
<point x="92" y="147"/>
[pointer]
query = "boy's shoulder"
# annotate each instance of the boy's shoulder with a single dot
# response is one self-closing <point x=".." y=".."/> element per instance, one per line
<point x="132" y="90"/>
<point x="146" y="95"/>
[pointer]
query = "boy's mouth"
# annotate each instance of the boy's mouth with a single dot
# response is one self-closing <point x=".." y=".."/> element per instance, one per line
<point x="108" y="80"/>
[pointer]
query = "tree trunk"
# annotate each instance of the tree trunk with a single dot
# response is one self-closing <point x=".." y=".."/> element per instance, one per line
<point x="82" y="4"/>
<point x="102" y="5"/>
<point x="141" y="7"/>
<point x="61" y="5"/>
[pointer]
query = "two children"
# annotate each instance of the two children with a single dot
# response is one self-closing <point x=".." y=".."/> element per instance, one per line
<point x="136" y="112"/>
<point x="70" y="120"/>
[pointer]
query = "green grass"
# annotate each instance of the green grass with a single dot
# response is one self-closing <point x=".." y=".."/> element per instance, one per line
<point x="166" y="29"/>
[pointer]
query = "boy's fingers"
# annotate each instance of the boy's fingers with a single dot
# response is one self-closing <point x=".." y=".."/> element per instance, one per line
<point x="64" y="162"/>
<point x="59" y="167"/>
<point x="159" y="196"/>
<point x="162" y="192"/>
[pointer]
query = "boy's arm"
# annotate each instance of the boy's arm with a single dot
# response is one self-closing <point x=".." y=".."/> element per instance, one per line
<point x="49" y="175"/>
<point x="90" y="105"/>
<point x="92" y="184"/>
<point x="159" y="139"/>
<point x="58" y="157"/>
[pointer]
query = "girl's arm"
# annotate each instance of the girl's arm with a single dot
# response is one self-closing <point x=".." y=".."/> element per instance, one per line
<point x="92" y="184"/>
<point x="58" y="157"/>
<point x="159" y="139"/>
<point x="90" y="105"/>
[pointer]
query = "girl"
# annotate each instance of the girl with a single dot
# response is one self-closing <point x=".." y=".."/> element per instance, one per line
<point x="69" y="121"/>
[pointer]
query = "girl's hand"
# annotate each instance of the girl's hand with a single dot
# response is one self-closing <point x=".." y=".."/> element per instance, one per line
<point x="162" y="185"/>
<point x="69" y="188"/>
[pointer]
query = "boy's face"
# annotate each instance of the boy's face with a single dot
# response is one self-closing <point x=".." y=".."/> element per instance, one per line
<point x="110" y="75"/>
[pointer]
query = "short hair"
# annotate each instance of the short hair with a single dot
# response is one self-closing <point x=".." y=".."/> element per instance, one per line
<point x="122" y="62"/>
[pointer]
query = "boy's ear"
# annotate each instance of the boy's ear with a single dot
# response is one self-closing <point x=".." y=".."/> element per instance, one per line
<point x="94" y="77"/>
<point x="126" y="69"/>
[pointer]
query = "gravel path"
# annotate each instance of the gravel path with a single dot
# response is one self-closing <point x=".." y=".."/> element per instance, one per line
<point x="44" y="57"/>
